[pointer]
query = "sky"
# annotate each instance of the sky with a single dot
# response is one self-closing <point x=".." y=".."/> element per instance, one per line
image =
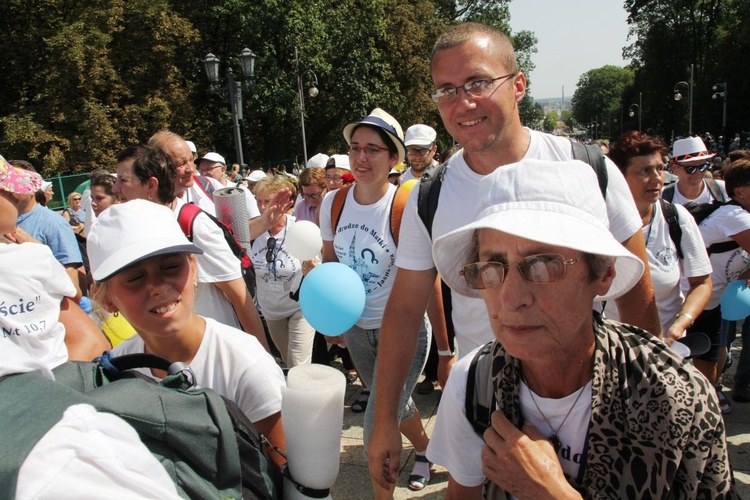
<point x="573" y="37"/>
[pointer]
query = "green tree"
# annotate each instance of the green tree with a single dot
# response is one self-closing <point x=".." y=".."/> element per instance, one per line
<point x="550" y="121"/>
<point x="599" y="92"/>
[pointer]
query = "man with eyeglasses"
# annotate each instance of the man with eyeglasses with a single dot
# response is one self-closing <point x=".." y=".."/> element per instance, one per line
<point x="421" y="149"/>
<point x="690" y="159"/>
<point x="477" y="90"/>
<point x="564" y="419"/>
<point x="212" y="165"/>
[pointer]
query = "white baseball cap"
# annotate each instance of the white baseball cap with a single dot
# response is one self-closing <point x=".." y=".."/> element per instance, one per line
<point x="552" y="202"/>
<point x="255" y="176"/>
<point x="318" y="160"/>
<point x="420" y="135"/>
<point x="215" y="157"/>
<point x="130" y="232"/>
<point x="191" y="145"/>
<point x="338" y="161"/>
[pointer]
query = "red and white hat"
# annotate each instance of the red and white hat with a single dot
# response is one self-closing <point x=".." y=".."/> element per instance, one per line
<point x="690" y="149"/>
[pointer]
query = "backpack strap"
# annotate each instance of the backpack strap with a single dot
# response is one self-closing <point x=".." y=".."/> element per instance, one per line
<point x="337" y="206"/>
<point x="668" y="193"/>
<point x="715" y="191"/>
<point x="186" y="217"/>
<point x="675" y="231"/>
<point x="205" y="185"/>
<point x="480" y="394"/>
<point x="593" y="155"/>
<point x="429" y="194"/>
<point x="397" y="211"/>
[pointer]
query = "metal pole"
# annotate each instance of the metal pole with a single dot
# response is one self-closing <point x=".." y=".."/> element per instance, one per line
<point x="690" y="107"/>
<point x="235" y="105"/>
<point x="301" y="107"/>
<point x="724" y="115"/>
<point x="640" y="109"/>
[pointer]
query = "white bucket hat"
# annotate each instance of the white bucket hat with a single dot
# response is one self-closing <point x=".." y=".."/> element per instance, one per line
<point x="551" y="202"/>
<point x="255" y="176"/>
<point x="420" y="135"/>
<point x="382" y="120"/>
<point x="318" y="160"/>
<point x="131" y="232"/>
<point x="690" y="149"/>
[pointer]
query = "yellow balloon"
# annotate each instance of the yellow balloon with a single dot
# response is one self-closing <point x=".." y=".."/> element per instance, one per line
<point x="409" y="185"/>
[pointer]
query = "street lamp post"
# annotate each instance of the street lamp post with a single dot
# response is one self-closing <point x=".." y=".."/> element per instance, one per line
<point x="313" y="92"/>
<point x="232" y="90"/>
<point x="723" y="95"/>
<point x="678" y="97"/>
<point x="639" y="108"/>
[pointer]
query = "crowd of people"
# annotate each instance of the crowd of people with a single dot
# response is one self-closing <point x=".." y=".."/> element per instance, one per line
<point x="580" y="286"/>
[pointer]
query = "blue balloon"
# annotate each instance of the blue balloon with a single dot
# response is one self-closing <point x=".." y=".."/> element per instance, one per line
<point x="332" y="298"/>
<point x="735" y="302"/>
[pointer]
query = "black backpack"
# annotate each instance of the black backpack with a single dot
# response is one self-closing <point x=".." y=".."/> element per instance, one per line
<point x="432" y="180"/>
<point x="186" y="218"/>
<point x="700" y="212"/>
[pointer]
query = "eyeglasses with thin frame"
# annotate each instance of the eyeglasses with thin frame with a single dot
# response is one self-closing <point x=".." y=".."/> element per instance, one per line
<point x="417" y="151"/>
<point x="541" y="268"/>
<point x="474" y="88"/>
<point x="313" y="196"/>
<point x="270" y="247"/>
<point x="333" y="178"/>
<point x="693" y="169"/>
<point x="370" y="150"/>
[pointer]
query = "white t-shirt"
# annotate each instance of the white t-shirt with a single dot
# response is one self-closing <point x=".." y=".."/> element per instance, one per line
<point x="407" y="176"/>
<point x="86" y="452"/>
<point x="363" y="242"/>
<point x="719" y="227"/>
<point x="195" y="194"/>
<point x="704" y="197"/>
<point x="216" y="264"/>
<point x="32" y="286"/>
<point x="456" y="446"/>
<point x="666" y="267"/>
<point x="235" y="365"/>
<point x="276" y="279"/>
<point x="457" y="208"/>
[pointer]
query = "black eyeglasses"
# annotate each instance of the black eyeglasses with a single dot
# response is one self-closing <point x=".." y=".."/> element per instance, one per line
<point x="270" y="247"/>
<point x="542" y="268"/>
<point x="693" y="169"/>
<point x="474" y="88"/>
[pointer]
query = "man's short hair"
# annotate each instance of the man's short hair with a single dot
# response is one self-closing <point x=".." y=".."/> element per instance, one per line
<point x="464" y="32"/>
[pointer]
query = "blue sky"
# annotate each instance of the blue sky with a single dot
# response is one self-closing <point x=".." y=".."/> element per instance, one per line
<point x="574" y="36"/>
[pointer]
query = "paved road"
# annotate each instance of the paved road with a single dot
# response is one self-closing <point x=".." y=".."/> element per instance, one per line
<point x="354" y="483"/>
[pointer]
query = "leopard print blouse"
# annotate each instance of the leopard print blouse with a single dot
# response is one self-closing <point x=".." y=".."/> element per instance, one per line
<point x="655" y="431"/>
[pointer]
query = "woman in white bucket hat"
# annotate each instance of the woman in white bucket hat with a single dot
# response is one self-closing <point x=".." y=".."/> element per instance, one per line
<point x="576" y="397"/>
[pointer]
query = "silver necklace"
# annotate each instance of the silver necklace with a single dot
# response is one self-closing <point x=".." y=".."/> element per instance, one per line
<point x="556" y="443"/>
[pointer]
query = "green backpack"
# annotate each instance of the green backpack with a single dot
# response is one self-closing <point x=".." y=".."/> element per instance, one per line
<point x="205" y="443"/>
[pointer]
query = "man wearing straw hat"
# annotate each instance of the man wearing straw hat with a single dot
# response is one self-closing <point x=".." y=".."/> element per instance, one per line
<point x="582" y="406"/>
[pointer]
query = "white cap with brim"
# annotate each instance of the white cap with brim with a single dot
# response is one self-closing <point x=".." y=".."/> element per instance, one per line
<point x="127" y="233"/>
<point x="214" y="157"/>
<point x="192" y="147"/>
<point x="255" y="176"/>
<point x="420" y="135"/>
<point x="338" y="161"/>
<point x="382" y="120"/>
<point x="555" y="203"/>
<point x="318" y="160"/>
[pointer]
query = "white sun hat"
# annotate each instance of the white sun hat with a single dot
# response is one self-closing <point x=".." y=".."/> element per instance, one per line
<point x="318" y="160"/>
<point x="130" y="232"/>
<point x="690" y="149"/>
<point x="382" y="120"/>
<point x="551" y="202"/>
